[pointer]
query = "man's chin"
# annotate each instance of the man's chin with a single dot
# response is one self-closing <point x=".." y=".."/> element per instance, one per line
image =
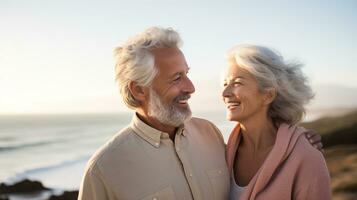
<point x="181" y="115"/>
<point x="184" y="110"/>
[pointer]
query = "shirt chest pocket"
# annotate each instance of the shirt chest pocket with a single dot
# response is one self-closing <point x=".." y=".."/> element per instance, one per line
<point x="165" y="193"/>
<point x="219" y="180"/>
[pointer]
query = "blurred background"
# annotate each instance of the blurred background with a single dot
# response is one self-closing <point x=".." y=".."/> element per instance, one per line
<point x="59" y="101"/>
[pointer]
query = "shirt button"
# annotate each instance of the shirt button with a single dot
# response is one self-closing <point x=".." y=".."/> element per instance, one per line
<point x="154" y="198"/>
<point x="190" y="175"/>
<point x="157" y="144"/>
<point x="177" y="149"/>
<point x="220" y="172"/>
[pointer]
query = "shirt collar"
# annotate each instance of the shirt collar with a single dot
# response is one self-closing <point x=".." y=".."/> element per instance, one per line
<point x="181" y="130"/>
<point x="150" y="134"/>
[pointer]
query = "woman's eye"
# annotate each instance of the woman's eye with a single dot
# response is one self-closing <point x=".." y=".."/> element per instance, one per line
<point x="237" y="83"/>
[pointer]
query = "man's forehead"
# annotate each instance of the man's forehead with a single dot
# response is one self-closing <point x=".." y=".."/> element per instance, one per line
<point x="166" y="52"/>
<point x="170" y="61"/>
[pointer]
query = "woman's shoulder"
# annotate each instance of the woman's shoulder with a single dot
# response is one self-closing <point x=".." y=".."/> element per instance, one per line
<point x="312" y="176"/>
<point x="305" y="152"/>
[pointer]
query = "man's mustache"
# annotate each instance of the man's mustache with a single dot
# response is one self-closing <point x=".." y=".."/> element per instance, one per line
<point x="184" y="96"/>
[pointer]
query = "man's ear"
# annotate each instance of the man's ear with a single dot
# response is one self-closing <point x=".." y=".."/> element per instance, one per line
<point x="270" y="95"/>
<point x="139" y="92"/>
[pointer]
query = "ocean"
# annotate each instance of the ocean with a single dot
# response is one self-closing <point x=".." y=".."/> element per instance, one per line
<point x="54" y="149"/>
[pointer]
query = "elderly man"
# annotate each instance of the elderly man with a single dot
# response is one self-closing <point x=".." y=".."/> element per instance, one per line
<point x="163" y="153"/>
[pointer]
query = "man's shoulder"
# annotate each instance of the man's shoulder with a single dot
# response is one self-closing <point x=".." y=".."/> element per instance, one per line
<point x="203" y="127"/>
<point x="195" y="121"/>
<point x="112" y="146"/>
<point x="201" y="124"/>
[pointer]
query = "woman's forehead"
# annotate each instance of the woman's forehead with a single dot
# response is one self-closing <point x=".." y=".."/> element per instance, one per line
<point x="234" y="72"/>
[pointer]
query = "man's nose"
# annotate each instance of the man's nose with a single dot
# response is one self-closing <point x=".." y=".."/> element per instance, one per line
<point x="189" y="87"/>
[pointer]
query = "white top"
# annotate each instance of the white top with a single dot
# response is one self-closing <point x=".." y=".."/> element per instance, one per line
<point x="235" y="191"/>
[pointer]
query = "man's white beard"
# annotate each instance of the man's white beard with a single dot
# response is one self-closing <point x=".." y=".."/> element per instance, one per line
<point x="168" y="114"/>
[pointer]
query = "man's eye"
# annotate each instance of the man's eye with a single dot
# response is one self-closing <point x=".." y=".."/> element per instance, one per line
<point x="177" y="78"/>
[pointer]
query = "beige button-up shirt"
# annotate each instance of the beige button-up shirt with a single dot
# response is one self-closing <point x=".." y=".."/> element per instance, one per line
<point x="141" y="162"/>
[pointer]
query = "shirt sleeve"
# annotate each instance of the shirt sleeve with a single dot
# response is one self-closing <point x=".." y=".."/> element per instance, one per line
<point x="93" y="186"/>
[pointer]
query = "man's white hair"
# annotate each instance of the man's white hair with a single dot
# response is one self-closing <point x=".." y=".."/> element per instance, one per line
<point x="272" y="71"/>
<point x="135" y="61"/>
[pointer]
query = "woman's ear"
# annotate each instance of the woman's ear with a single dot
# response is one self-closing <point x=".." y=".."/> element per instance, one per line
<point x="270" y="95"/>
<point x="139" y="92"/>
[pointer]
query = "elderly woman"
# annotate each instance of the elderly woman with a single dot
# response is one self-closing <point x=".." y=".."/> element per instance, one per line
<point x="267" y="154"/>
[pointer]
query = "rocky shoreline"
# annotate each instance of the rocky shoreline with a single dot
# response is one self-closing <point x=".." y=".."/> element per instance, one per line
<point x="29" y="189"/>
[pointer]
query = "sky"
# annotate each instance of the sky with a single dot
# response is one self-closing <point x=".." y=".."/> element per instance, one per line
<point x="57" y="56"/>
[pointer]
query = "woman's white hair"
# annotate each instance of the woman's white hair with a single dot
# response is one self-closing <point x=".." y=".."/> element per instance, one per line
<point x="272" y="71"/>
<point x="135" y="61"/>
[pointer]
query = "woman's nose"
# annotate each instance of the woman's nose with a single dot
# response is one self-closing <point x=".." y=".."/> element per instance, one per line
<point x="226" y="91"/>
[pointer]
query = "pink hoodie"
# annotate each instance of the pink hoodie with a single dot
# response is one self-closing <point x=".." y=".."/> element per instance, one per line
<point x="294" y="169"/>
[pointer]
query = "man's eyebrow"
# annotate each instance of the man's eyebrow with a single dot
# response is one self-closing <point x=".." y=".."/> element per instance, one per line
<point x="179" y="73"/>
